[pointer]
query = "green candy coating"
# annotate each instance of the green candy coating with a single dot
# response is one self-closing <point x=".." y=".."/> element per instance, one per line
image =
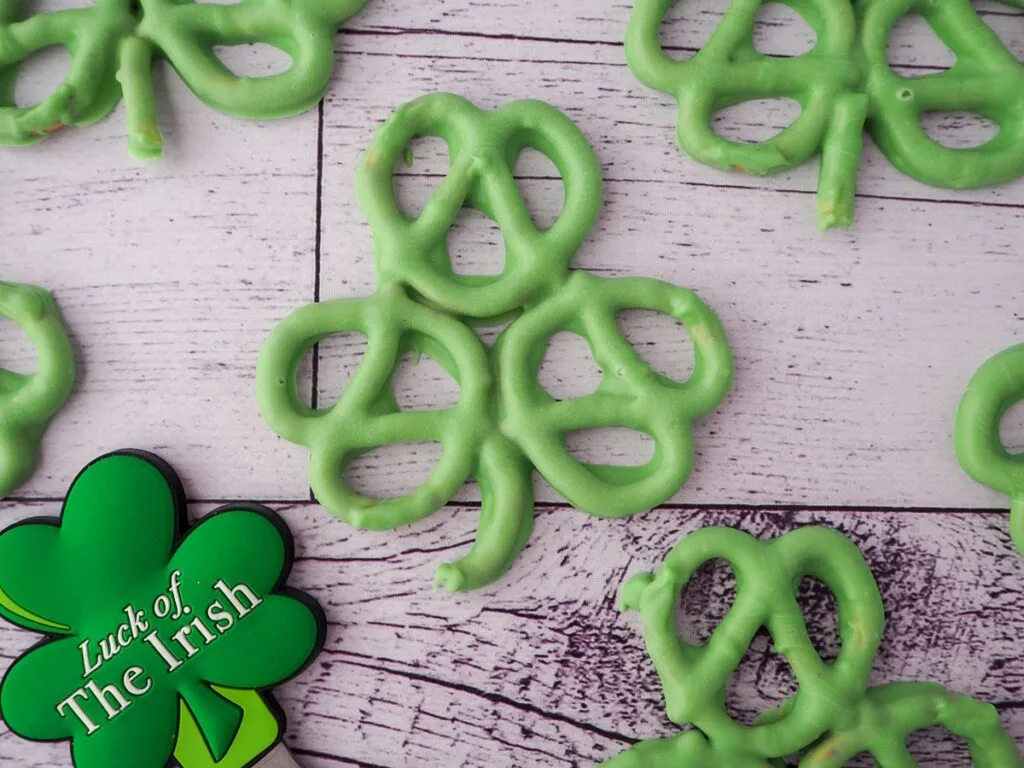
<point x="29" y="401"/>
<point x="113" y="45"/>
<point x="834" y="716"/>
<point x="888" y="715"/>
<point x="159" y="642"/>
<point x="995" y="388"/>
<point x="767" y="574"/>
<point x="843" y="82"/>
<point x="504" y="424"/>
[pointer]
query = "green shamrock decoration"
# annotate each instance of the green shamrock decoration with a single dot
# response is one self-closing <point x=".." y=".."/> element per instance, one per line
<point x="29" y="401"/>
<point x="844" y="86"/>
<point x="835" y="715"/>
<point x="505" y="423"/>
<point x="159" y="643"/>
<point x="113" y="45"/>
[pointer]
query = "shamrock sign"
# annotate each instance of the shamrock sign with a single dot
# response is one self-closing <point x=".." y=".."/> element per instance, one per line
<point x="113" y="45"/>
<point x="160" y="642"/>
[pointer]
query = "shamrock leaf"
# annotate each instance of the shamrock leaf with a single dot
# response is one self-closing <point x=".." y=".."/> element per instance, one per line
<point x="159" y="642"/>
<point x="114" y="42"/>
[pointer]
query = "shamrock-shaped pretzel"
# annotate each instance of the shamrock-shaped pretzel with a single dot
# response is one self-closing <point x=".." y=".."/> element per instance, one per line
<point x="843" y="82"/>
<point x="113" y="45"/>
<point x="29" y="401"/>
<point x="995" y="388"/>
<point x="504" y="424"/>
<point x="834" y="715"/>
<point x="160" y="642"/>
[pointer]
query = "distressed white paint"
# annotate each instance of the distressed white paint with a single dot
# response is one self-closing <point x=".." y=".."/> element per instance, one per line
<point x="852" y="350"/>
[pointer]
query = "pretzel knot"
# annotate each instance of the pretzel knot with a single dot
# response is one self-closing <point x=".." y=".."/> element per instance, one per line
<point x="996" y="387"/>
<point x="114" y="42"/>
<point x="29" y="401"/>
<point x="504" y="424"/>
<point x="843" y="81"/>
<point x="834" y="715"/>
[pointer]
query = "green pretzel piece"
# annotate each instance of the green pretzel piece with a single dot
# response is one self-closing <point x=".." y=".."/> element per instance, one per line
<point x="888" y="715"/>
<point x="843" y="81"/>
<point x="504" y="424"/>
<point x="483" y="148"/>
<point x="997" y="386"/>
<point x="630" y="394"/>
<point x="986" y="79"/>
<point x="113" y="45"/>
<point x="160" y="640"/>
<point x="834" y="715"/>
<point x="767" y="576"/>
<point x="367" y="416"/>
<point x="29" y="401"/>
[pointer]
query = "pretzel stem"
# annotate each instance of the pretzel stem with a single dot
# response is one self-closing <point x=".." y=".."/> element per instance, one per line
<point x="135" y="74"/>
<point x="506" y="518"/>
<point x="840" y="156"/>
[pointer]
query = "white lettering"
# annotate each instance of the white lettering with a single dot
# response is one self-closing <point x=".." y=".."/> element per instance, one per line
<point x="181" y="637"/>
<point x="154" y="640"/>
<point x="70" y="702"/>
<point x="88" y="667"/>
<point x="130" y="676"/>
<point x="232" y="593"/>
<point x="112" y="691"/>
<point x="221" y="619"/>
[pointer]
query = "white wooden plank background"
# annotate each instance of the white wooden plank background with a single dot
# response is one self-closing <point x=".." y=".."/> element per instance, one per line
<point x="852" y="351"/>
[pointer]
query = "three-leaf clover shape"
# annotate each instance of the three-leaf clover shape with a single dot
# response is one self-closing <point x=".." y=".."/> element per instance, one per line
<point x="113" y="44"/>
<point x="155" y="637"/>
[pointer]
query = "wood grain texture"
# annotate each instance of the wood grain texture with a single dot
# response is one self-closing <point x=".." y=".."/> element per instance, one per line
<point x="170" y="276"/>
<point x="542" y="670"/>
<point x="852" y="351"/>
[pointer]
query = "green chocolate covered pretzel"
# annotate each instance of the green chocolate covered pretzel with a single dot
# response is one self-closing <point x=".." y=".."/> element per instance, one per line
<point x="843" y="82"/>
<point x="995" y="388"/>
<point x="29" y="401"/>
<point x="504" y="424"/>
<point x="113" y="45"/>
<point x="834" y="715"/>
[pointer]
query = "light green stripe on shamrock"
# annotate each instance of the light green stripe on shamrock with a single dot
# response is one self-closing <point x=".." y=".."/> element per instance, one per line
<point x="996" y="387"/>
<point x="11" y="609"/>
<point x="113" y="45"/>
<point x="505" y="424"/>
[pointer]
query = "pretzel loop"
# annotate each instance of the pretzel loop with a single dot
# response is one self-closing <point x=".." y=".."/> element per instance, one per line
<point x="502" y="427"/>
<point x="29" y="401"/>
<point x="767" y="576"/>
<point x="186" y="33"/>
<point x="367" y="416"/>
<point x="90" y="37"/>
<point x="986" y="79"/>
<point x="728" y="70"/>
<point x="630" y="395"/>
<point x="483" y="148"/>
<point x="995" y="388"/>
<point x="843" y="81"/>
<point x="113" y="44"/>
